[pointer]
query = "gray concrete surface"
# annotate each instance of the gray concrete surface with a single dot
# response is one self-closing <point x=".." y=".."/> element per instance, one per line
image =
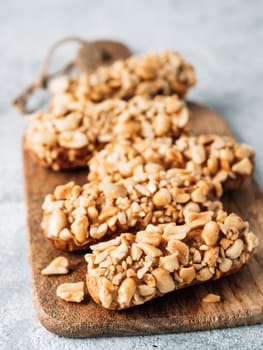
<point x="224" y="40"/>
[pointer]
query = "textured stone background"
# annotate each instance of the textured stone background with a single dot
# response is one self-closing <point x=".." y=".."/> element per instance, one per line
<point x="224" y="41"/>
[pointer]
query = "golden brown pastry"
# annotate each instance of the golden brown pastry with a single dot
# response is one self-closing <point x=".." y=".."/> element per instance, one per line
<point x="68" y="140"/>
<point x="77" y="216"/>
<point x="220" y="157"/>
<point x="134" y="268"/>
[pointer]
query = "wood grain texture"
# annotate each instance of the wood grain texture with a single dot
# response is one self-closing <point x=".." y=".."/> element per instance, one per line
<point x="180" y="311"/>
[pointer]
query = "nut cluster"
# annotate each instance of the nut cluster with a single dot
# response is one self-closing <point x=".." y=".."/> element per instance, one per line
<point x="77" y="216"/>
<point x="160" y="73"/>
<point x="134" y="268"/>
<point x="68" y="140"/>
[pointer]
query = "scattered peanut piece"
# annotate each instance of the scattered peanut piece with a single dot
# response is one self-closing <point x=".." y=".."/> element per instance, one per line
<point x="58" y="266"/>
<point x="212" y="298"/>
<point x="73" y="292"/>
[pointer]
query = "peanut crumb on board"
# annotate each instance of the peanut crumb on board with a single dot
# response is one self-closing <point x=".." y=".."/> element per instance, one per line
<point x="58" y="266"/>
<point x="73" y="292"/>
<point x="212" y="298"/>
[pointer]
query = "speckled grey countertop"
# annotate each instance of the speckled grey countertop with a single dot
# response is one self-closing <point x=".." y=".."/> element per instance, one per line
<point x="223" y="39"/>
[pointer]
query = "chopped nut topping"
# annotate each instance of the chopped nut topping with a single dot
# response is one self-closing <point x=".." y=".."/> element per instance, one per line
<point x="145" y="290"/>
<point x="173" y="231"/>
<point x="79" y="228"/>
<point x="235" y="250"/>
<point x="57" y="221"/>
<point x="162" y="198"/>
<point x="152" y="238"/>
<point x="169" y="263"/>
<point x="164" y="280"/>
<point x="225" y="265"/>
<point x="204" y="274"/>
<point x="210" y="233"/>
<point x="113" y="191"/>
<point x="244" y="167"/>
<point x="64" y="191"/>
<point x="73" y="139"/>
<point x="126" y="292"/>
<point x="187" y="274"/>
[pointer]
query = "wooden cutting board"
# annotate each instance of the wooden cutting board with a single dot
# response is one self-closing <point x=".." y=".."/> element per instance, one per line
<point x="183" y="310"/>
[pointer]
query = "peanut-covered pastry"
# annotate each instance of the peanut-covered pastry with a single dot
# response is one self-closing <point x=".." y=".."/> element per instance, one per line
<point x="220" y="157"/>
<point x="134" y="268"/>
<point x="77" y="216"/>
<point x="160" y="73"/>
<point x="68" y="140"/>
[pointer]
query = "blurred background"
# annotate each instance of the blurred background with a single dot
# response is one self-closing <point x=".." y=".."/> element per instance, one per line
<point x="222" y="39"/>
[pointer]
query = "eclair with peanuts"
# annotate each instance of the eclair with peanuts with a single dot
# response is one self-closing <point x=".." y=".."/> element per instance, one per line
<point x="137" y="267"/>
